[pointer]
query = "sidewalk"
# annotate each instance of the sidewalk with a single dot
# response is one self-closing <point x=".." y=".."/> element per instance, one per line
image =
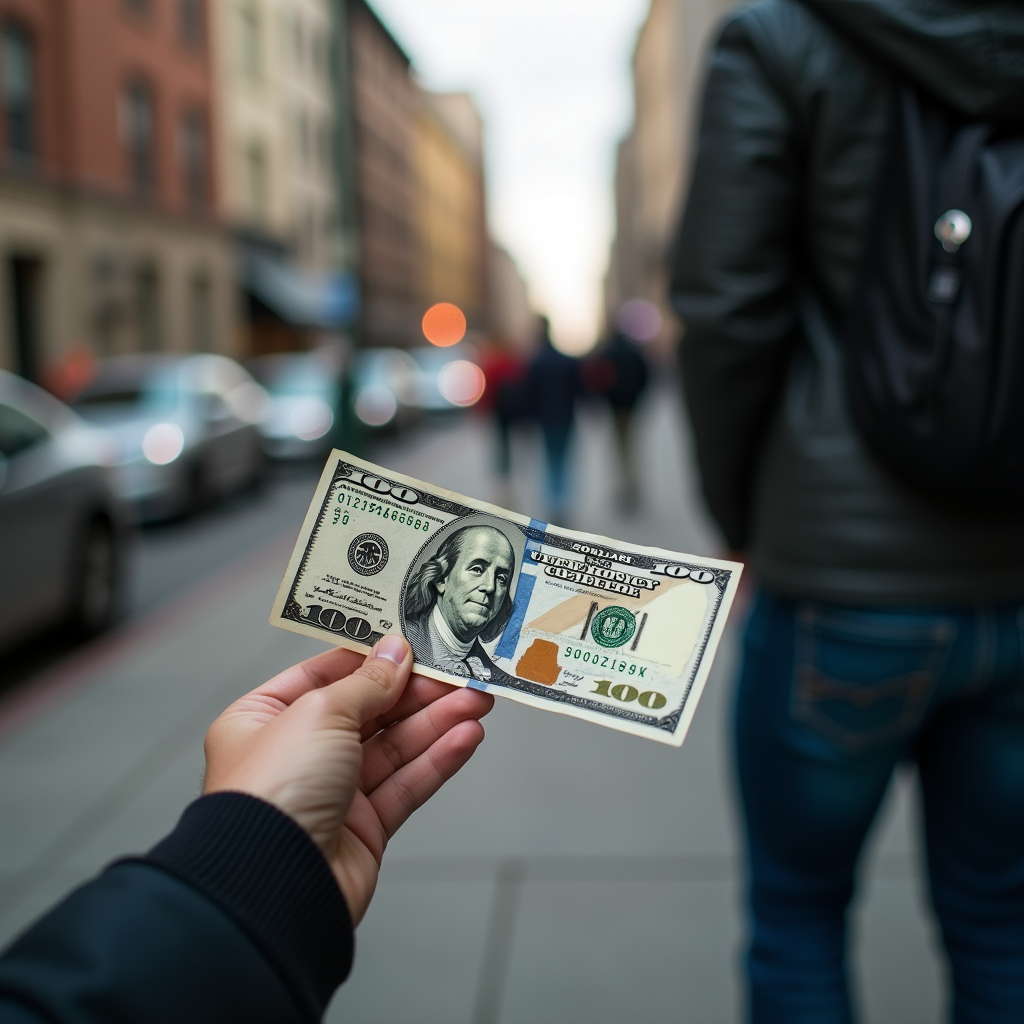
<point x="570" y="874"/>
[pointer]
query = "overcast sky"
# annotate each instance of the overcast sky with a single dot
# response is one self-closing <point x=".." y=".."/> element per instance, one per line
<point x="552" y="80"/>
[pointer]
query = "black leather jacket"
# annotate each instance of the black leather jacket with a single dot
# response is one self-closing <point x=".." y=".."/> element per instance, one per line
<point x="795" y="113"/>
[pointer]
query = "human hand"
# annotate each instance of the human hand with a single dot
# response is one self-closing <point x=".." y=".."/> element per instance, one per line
<point x="348" y="748"/>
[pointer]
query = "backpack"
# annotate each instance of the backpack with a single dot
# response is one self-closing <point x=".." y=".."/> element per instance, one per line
<point x="934" y="336"/>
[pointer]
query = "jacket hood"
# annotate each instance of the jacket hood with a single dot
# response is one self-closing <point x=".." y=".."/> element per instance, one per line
<point x="969" y="53"/>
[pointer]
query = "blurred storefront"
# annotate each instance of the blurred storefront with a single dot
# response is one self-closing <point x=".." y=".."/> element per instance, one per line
<point x="109" y="239"/>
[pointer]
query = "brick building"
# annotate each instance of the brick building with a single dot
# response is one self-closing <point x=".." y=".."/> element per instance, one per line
<point x="109" y="238"/>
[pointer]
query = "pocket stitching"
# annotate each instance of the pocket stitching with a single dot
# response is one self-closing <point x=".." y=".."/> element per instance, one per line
<point x="916" y="686"/>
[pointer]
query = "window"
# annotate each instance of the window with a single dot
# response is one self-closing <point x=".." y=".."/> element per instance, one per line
<point x="192" y="144"/>
<point x="192" y="22"/>
<point x="249" y="40"/>
<point x="302" y="130"/>
<point x="319" y="57"/>
<point x="326" y="158"/>
<point x="256" y="182"/>
<point x="202" y="311"/>
<point x="138" y="133"/>
<point x="18" y="76"/>
<point x="18" y="432"/>
<point x="309" y="232"/>
<point x="297" y="40"/>
<point x="147" y="307"/>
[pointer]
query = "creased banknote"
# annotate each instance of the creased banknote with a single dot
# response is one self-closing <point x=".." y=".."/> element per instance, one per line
<point x="590" y="627"/>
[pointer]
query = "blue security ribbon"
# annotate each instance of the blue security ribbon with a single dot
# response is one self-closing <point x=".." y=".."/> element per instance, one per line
<point x="527" y="579"/>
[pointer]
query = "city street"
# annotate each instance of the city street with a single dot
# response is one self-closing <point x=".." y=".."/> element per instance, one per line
<point x="569" y="875"/>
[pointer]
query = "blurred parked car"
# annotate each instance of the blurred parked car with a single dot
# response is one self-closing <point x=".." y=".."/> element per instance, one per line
<point x="303" y="416"/>
<point x="186" y="428"/>
<point x="63" y="530"/>
<point x="384" y="387"/>
<point x="446" y="378"/>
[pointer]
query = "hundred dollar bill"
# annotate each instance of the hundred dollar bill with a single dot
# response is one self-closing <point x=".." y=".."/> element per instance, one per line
<point x="609" y="632"/>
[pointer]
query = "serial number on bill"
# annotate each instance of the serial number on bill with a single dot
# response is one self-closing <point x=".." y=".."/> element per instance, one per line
<point x="598" y="660"/>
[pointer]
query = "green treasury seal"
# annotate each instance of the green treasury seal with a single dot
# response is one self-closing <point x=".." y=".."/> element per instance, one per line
<point x="612" y="627"/>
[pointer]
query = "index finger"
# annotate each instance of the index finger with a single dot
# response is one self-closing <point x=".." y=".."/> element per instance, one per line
<point x="312" y="674"/>
<point x="419" y="693"/>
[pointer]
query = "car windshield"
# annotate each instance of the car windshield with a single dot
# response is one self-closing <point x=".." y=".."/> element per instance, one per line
<point x="128" y="392"/>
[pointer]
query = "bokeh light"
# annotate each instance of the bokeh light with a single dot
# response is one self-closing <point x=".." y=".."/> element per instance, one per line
<point x="444" y="324"/>
<point x="376" y="405"/>
<point x="639" y="320"/>
<point x="163" y="443"/>
<point x="311" y="418"/>
<point x="461" y="382"/>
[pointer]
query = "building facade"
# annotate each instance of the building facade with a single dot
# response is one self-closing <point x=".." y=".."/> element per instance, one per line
<point x="275" y="103"/>
<point x="652" y="162"/>
<point x="450" y="205"/>
<point x="109" y="238"/>
<point x="384" y="109"/>
<point x="511" y="322"/>
<point x="276" y="106"/>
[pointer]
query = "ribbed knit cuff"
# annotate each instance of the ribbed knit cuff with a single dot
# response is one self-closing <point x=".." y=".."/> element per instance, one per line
<point x="266" y="873"/>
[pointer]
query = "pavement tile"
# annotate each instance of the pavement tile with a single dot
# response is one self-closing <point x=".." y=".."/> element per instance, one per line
<point x="899" y="970"/>
<point x="431" y="936"/>
<point x="604" y="952"/>
<point x="148" y="815"/>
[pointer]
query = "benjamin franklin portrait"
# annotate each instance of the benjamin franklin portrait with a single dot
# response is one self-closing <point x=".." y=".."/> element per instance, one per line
<point x="461" y="598"/>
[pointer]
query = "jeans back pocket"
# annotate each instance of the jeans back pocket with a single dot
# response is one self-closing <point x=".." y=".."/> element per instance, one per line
<point x="863" y="679"/>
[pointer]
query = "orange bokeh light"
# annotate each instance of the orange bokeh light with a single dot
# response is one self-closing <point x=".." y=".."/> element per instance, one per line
<point x="444" y="324"/>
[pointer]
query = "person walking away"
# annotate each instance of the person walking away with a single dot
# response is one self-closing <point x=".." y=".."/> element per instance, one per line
<point x="552" y="386"/>
<point x="888" y="625"/>
<point x="502" y="400"/>
<point x="619" y="374"/>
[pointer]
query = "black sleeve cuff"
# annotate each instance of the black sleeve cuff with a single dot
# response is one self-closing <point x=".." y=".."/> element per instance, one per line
<point x="264" y="871"/>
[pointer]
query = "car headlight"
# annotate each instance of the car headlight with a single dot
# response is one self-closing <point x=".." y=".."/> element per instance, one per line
<point x="163" y="443"/>
<point x="376" y="405"/>
<point x="311" y="418"/>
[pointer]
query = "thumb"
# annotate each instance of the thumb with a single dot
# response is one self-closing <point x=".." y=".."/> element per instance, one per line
<point x="376" y="685"/>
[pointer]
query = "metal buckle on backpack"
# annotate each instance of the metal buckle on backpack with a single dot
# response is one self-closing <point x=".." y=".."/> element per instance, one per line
<point x="944" y="285"/>
<point x="952" y="229"/>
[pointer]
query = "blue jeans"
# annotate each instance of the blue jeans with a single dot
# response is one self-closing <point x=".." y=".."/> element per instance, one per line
<point x="830" y="700"/>
<point x="557" y="437"/>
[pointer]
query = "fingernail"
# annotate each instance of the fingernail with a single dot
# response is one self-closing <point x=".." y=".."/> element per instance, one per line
<point x="393" y="647"/>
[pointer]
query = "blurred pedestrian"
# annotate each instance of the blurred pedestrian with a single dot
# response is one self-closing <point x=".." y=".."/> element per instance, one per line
<point x="69" y="375"/>
<point x="245" y="912"/>
<point x="889" y="623"/>
<point x="619" y="374"/>
<point x="553" y="384"/>
<point x="503" y="400"/>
